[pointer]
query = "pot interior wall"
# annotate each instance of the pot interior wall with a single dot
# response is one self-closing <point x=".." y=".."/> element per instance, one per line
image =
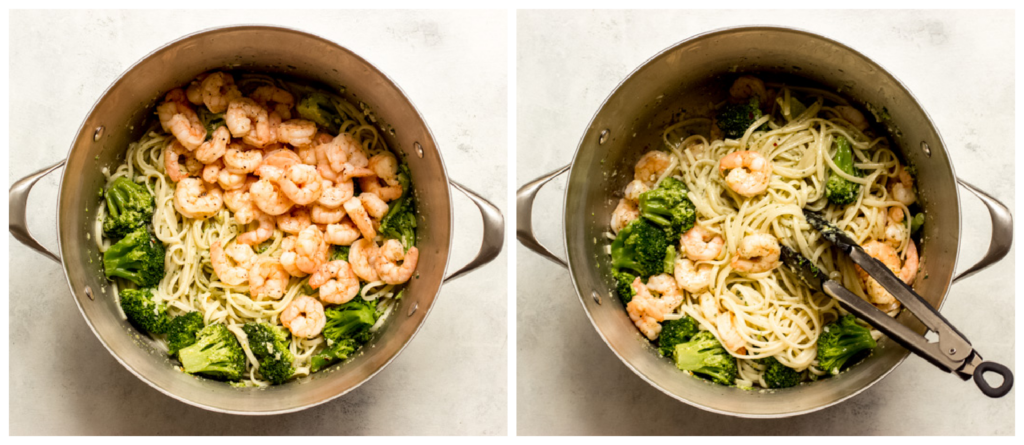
<point x="686" y="77"/>
<point x="121" y="112"/>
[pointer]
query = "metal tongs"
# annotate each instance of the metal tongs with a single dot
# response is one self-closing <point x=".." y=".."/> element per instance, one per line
<point x="952" y="353"/>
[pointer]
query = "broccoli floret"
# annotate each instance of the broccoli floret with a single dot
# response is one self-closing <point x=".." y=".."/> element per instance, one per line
<point x="668" y="207"/>
<point x="142" y="311"/>
<point x="670" y="260"/>
<point x="838" y="190"/>
<point x="318" y="108"/>
<point x="129" y="206"/>
<point x="347" y="328"/>
<point x="704" y="355"/>
<point x="778" y="375"/>
<point x="216" y="353"/>
<point x="211" y="121"/>
<point x="917" y="223"/>
<point x="674" y="332"/>
<point x="339" y="253"/>
<point x="181" y="331"/>
<point x="735" y="119"/>
<point x="842" y="341"/>
<point x="138" y="257"/>
<point x="624" y="284"/>
<point x="270" y="346"/>
<point x="338" y="351"/>
<point x="640" y="247"/>
<point x="400" y="221"/>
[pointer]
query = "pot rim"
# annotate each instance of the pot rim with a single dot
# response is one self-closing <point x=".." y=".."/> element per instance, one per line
<point x="579" y="147"/>
<point x="227" y="28"/>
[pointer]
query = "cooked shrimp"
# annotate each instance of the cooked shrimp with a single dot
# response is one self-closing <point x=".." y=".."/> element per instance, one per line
<point x="211" y="170"/>
<point x="729" y="334"/>
<point x="700" y="244"/>
<point x="902" y="187"/>
<point x="692" y="279"/>
<point x="323" y="215"/>
<point x="296" y="132"/>
<point x="194" y="92"/>
<point x="229" y="180"/>
<point x="174" y="154"/>
<point x="361" y="256"/>
<point x="907" y="271"/>
<point x="895" y="229"/>
<point x="294" y="220"/>
<point x="178" y="118"/>
<point x="304" y="317"/>
<point x="346" y="156"/>
<point x="269" y="198"/>
<point x="750" y="172"/>
<point x="757" y="253"/>
<point x="213" y="149"/>
<point x="374" y="206"/>
<point x="624" y="214"/>
<point x="634" y="189"/>
<point x="337" y="282"/>
<point x="195" y="199"/>
<point x="310" y="249"/>
<point x="335" y="194"/>
<point x="302" y="184"/>
<point x="282" y="158"/>
<point x="242" y="158"/>
<point x="267" y="278"/>
<point x="854" y="117"/>
<point x="747" y="86"/>
<point x="354" y="209"/>
<point x="263" y="231"/>
<point x="218" y="91"/>
<point x="239" y="201"/>
<point x="372" y="184"/>
<point x="263" y="136"/>
<point x="221" y="260"/>
<point x="646" y="311"/>
<point x="245" y="116"/>
<point x="651" y="166"/>
<point x="384" y="166"/>
<point x="324" y="154"/>
<point x="342" y="234"/>
<point x="282" y="100"/>
<point x="386" y="263"/>
<point x="708" y="306"/>
<point x="307" y="154"/>
<point x="289" y="259"/>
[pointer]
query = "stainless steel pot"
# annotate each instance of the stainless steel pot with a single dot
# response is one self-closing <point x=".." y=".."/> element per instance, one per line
<point x="633" y="116"/>
<point x="115" y="121"/>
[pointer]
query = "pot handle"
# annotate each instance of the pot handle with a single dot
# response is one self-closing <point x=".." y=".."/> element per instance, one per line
<point x="1002" y="231"/>
<point x="19" y="201"/>
<point x="524" y="215"/>
<point x="494" y="233"/>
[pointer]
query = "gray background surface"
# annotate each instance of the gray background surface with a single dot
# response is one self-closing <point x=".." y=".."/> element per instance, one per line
<point x="452" y="378"/>
<point x="960" y="66"/>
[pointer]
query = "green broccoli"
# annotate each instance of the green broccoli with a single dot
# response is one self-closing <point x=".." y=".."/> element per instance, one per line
<point x="339" y="253"/>
<point x="400" y="221"/>
<point x="778" y="375"/>
<point x="138" y="257"/>
<point x="347" y="328"/>
<point x="129" y="206"/>
<point x="211" y="121"/>
<point x="704" y="355"/>
<point x="640" y="247"/>
<point x="674" y="332"/>
<point x="624" y="284"/>
<point x="843" y="341"/>
<point x="838" y="190"/>
<point x="917" y="222"/>
<point x="670" y="260"/>
<point x="735" y="119"/>
<point x="216" y="353"/>
<point x="142" y="311"/>
<point x="668" y="207"/>
<point x="270" y="346"/>
<point x="181" y="331"/>
<point x="317" y="107"/>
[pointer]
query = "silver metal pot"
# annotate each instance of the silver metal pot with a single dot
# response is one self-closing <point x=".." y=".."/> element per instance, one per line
<point x="634" y="115"/>
<point x="115" y="121"/>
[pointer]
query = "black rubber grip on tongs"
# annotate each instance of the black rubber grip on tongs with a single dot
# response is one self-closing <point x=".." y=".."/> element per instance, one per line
<point x="997" y="368"/>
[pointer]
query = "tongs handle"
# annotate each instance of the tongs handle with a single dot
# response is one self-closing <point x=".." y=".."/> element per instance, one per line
<point x="997" y="368"/>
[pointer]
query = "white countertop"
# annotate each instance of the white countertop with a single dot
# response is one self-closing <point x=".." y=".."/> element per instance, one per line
<point x="960" y="66"/>
<point x="452" y="378"/>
